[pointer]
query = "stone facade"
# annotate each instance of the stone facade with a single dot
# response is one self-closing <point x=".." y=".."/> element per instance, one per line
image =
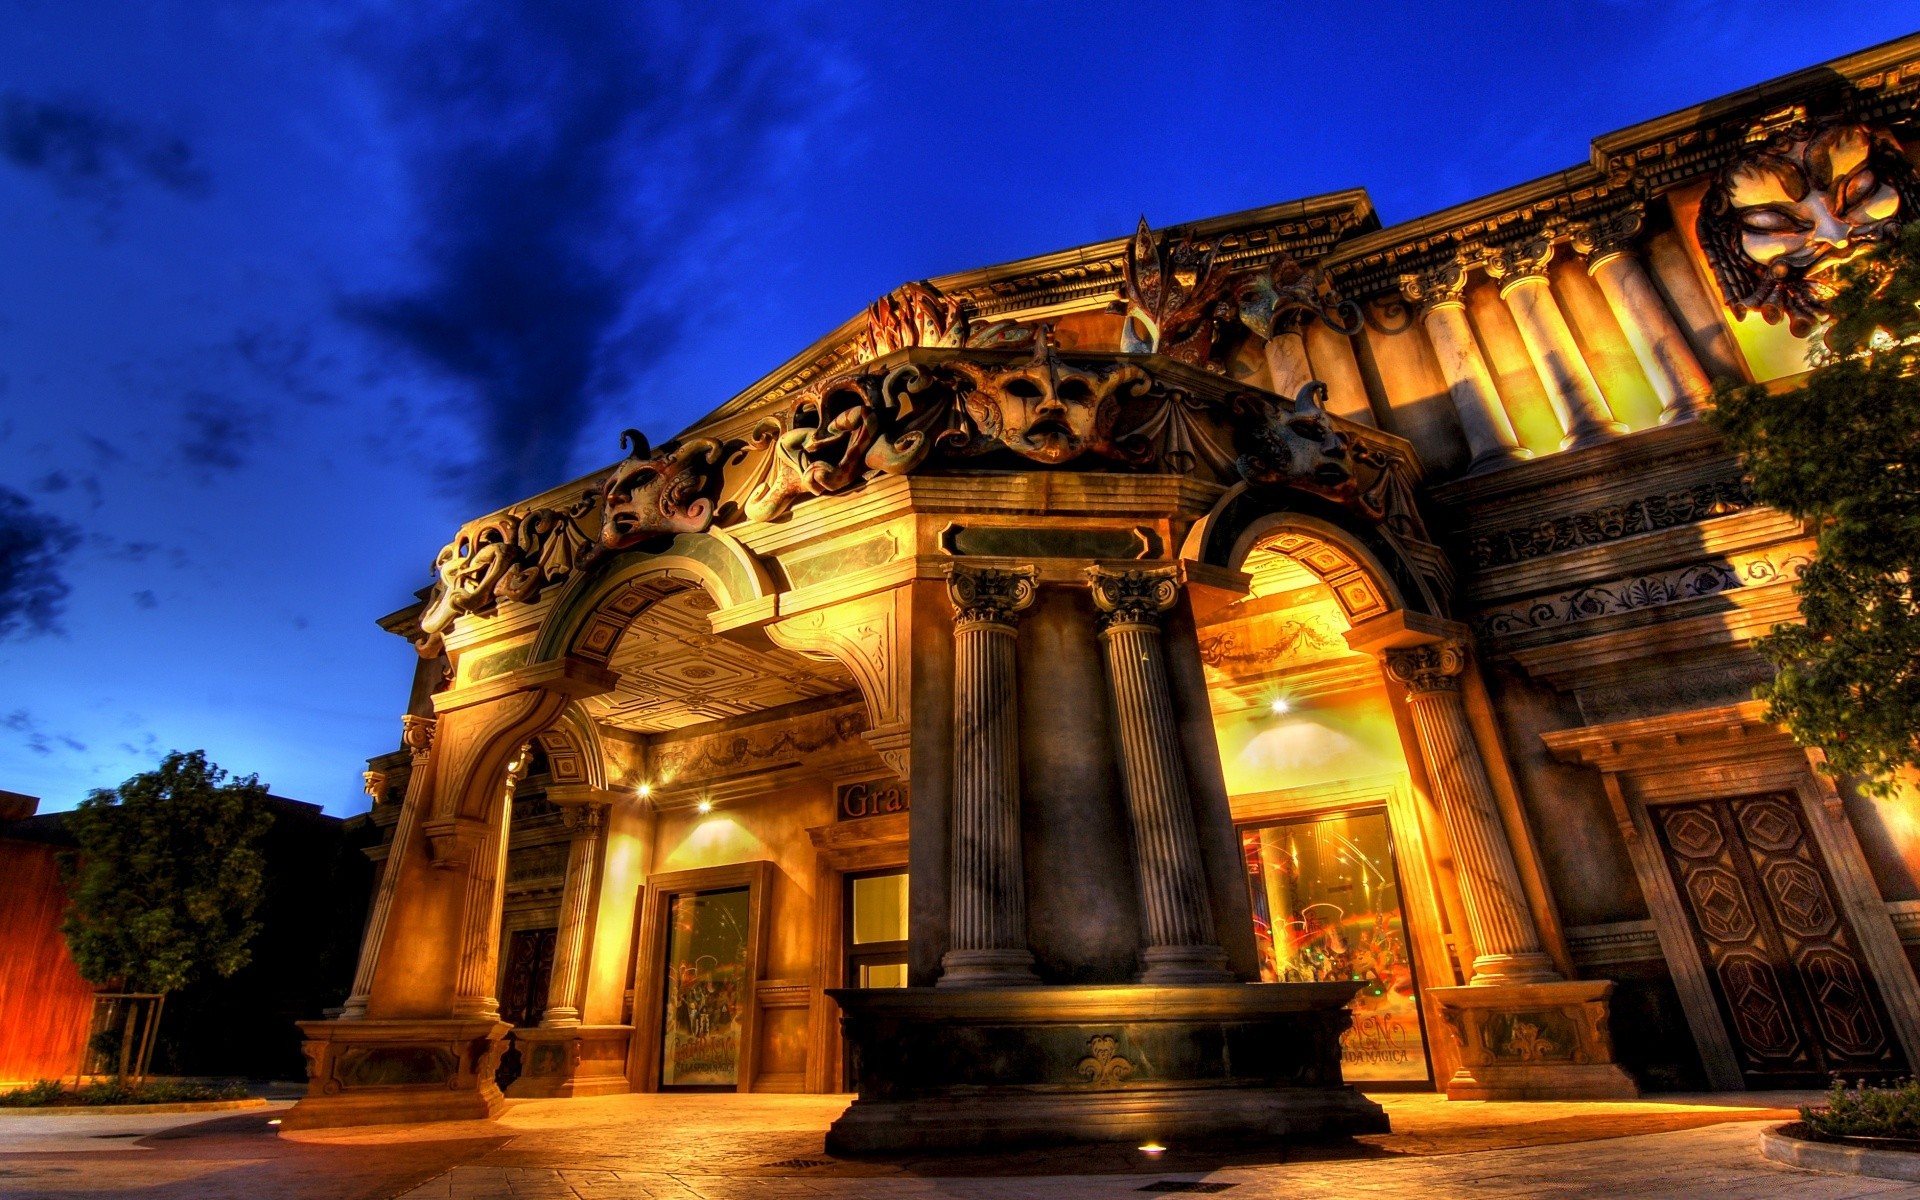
<point x="1275" y="606"/>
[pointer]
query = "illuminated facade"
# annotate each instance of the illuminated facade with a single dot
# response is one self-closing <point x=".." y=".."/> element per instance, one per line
<point x="1081" y="642"/>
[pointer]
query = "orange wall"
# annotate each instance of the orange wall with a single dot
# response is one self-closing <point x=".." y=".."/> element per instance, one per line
<point x="44" y="1004"/>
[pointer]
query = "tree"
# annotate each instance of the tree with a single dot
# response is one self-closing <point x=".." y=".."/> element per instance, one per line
<point x="1842" y="451"/>
<point x="166" y="876"/>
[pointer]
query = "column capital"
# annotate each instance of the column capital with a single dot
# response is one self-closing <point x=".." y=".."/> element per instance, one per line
<point x="990" y="595"/>
<point x="375" y="784"/>
<point x="1518" y="261"/>
<point x="1429" y="667"/>
<point x="1608" y="235"/>
<point x="1133" y="596"/>
<point x="1431" y="288"/>
<point x="416" y="734"/>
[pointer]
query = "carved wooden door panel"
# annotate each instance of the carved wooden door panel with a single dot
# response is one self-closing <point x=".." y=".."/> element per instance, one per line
<point x="1797" y="998"/>
<point x="523" y="997"/>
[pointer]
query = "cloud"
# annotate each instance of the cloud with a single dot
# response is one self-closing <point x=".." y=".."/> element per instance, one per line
<point x="93" y="154"/>
<point x="33" y="548"/>
<point x="573" y="165"/>
<point x="21" y="721"/>
<point x="144" y="598"/>
<point x="219" y="432"/>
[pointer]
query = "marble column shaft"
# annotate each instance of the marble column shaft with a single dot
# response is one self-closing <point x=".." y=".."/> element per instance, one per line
<point x="1182" y="945"/>
<point x="584" y="821"/>
<point x="988" y="918"/>
<point x="1569" y="383"/>
<point x="1506" y="940"/>
<point x="486" y="865"/>
<point x="1650" y="329"/>
<point x="416" y="733"/>
<point x="1483" y="417"/>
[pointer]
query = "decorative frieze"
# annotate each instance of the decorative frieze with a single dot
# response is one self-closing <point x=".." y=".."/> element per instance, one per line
<point x="1639" y="592"/>
<point x="1595" y="526"/>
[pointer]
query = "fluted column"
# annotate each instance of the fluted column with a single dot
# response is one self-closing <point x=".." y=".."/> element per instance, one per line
<point x="1664" y="354"/>
<point x="1483" y="416"/>
<point x="988" y="918"/>
<point x="416" y="734"/>
<point x="486" y="863"/>
<point x="1576" y="398"/>
<point x="1504" y="934"/>
<point x="1176" y="913"/>
<point x="584" y="822"/>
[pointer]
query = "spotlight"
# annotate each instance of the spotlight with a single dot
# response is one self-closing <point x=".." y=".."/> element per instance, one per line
<point x="1280" y="707"/>
<point x="1153" y="1149"/>
<point x="705" y="806"/>
<point x="644" y="790"/>
<point x="275" y="1121"/>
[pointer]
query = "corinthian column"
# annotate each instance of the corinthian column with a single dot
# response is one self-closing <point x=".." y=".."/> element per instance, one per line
<point x="988" y="921"/>
<point x="584" y="822"/>
<point x="1176" y="915"/>
<point x="1563" y="371"/>
<point x="486" y="862"/>
<point x="1506" y="940"/>
<point x="416" y="734"/>
<point x="1483" y="417"/>
<point x="1650" y="329"/>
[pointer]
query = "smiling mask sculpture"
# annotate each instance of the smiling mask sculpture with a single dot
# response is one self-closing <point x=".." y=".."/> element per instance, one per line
<point x="1779" y="219"/>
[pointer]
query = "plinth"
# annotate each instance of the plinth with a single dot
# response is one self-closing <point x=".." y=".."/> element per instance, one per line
<point x="379" y="1072"/>
<point x="973" y="1068"/>
<point x="1533" y="1041"/>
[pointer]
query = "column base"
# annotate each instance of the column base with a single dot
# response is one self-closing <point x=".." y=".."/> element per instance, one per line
<point x="1685" y="410"/>
<point x="1493" y="460"/>
<point x="1595" y="436"/>
<point x="1185" y="964"/>
<point x="987" y="968"/>
<point x="1507" y="969"/>
<point x="1533" y="1041"/>
<point x="577" y="1060"/>
<point x="995" y="1068"/>
<point x="384" y="1072"/>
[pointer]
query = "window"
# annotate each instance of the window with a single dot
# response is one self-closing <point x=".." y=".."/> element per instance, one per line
<point x="877" y="930"/>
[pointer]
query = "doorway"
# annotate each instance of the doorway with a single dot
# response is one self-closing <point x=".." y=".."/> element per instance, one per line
<point x="1785" y="965"/>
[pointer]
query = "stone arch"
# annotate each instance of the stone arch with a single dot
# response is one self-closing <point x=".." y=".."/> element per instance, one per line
<point x="1365" y="565"/>
<point x="599" y="604"/>
<point x="572" y="747"/>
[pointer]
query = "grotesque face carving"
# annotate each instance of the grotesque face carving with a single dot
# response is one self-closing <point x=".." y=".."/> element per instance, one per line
<point x="1045" y="420"/>
<point x="1779" y="219"/>
<point x="1302" y="448"/>
<point x="655" y="495"/>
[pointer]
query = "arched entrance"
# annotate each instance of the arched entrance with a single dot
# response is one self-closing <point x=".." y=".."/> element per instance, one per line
<point x="1322" y="792"/>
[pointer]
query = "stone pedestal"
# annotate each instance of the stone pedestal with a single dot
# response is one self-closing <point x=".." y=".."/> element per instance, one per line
<point x="960" y="1069"/>
<point x="364" y="1072"/>
<point x="574" y="1060"/>
<point x="1533" y="1041"/>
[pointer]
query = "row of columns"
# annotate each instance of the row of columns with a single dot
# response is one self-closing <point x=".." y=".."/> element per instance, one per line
<point x="485" y="863"/>
<point x="988" y="901"/>
<point x="1520" y="268"/>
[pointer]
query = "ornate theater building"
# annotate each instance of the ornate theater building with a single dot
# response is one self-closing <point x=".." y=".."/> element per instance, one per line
<point x="1128" y="691"/>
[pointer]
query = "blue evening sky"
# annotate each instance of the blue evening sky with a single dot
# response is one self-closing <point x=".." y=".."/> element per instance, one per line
<point x="288" y="290"/>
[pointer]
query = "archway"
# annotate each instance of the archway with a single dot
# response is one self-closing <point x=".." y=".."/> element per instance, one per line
<point x="1326" y="790"/>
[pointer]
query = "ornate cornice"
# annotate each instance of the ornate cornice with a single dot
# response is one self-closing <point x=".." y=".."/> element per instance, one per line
<point x="1429" y="667"/>
<point x="1139" y="596"/>
<point x="990" y="595"/>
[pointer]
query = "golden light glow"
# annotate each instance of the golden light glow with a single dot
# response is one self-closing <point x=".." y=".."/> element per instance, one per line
<point x="1153" y="1148"/>
<point x="643" y="791"/>
<point x="1280" y="706"/>
<point x="705" y="806"/>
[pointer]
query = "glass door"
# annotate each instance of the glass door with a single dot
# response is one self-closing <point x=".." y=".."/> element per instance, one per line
<point x="706" y="989"/>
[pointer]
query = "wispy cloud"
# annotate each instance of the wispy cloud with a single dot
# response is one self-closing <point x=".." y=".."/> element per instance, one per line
<point x="94" y="154"/>
<point x="572" y="165"/>
<point x="33" y="549"/>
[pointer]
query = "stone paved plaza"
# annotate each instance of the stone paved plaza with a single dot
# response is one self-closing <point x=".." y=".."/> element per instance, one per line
<point x="699" y="1147"/>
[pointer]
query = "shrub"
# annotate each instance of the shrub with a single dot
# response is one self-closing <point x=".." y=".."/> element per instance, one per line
<point x="1888" y="1112"/>
<point x="50" y="1093"/>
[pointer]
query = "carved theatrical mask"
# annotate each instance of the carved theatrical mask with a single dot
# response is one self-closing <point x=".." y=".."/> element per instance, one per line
<point x="468" y="571"/>
<point x="1175" y="301"/>
<point x="1779" y="219"/>
<point x="1301" y="448"/>
<point x="829" y="442"/>
<point x="657" y="495"/>
<point x="1046" y="411"/>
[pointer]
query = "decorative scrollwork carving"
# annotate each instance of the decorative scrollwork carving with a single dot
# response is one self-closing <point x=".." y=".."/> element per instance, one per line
<point x="514" y="556"/>
<point x="416" y="733"/>
<point x="1428" y="668"/>
<point x="914" y="314"/>
<point x="1139" y="596"/>
<point x="1102" y="1067"/>
<point x="990" y="595"/>
<point x="651" y="495"/>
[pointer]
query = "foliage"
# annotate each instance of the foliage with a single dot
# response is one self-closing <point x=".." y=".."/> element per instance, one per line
<point x="1890" y="1112"/>
<point x="49" y="1093"/>
<point x="1842" y="451"/>
<point x="166" y="876"/>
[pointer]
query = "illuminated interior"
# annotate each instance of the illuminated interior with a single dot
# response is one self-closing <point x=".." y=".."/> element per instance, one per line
<point x="1310" y="752"/>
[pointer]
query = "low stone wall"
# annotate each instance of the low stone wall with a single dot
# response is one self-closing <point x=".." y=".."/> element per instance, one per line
<point x="1781" y="1147"/>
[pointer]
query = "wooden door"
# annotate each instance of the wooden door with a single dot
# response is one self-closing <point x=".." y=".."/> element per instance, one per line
<point x="1797" y="998"/>
<point x="523" y="998"/>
